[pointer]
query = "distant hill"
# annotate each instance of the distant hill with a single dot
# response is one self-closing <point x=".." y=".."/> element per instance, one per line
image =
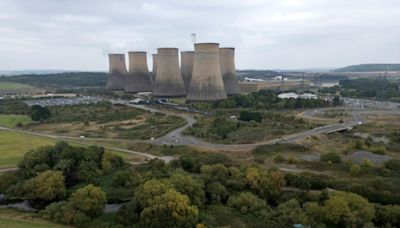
<point x="60" y="80"/>
<point x="369" y="68"/>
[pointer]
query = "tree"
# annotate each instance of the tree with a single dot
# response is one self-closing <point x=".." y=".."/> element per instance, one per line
<point x="286" y="215"/>
<point x="90" y="200"/>
<point x="186" y="184"/>
<point x="247" y="203"/>
<point x="216" y="193"/>
<point x="39" y="113"/>
<point x="348" y="209"/>
<point x="264" y="184"/>
<point x="148" y="192"/>
<point x="170" y="209"/>
<point x="35" y="161"/>
<point x="331" y="157"/>
<point x="48" y="185"/>
<point x="129" y="213"/>
<point x="387" y="215"/>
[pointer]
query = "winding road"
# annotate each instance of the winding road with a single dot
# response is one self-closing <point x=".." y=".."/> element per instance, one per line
<point x="176" y="137"/>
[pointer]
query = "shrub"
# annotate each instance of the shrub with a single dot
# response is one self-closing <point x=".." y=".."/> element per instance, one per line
<point x="355" y="170"/>
<point x="249" y="116"/>
<point x="279" y="158"/>
<point x="331" y="157"/>
<point x="366" y="163"/>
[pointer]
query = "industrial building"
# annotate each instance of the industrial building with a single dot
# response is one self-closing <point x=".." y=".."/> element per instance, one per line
<point x="168" y="81"/>
<point x="206" y="83"/>
<point x="228" y="70"/>
<point x="138" y="77"/>
<point x="187" y="58"/>
<point x="206" y="74"/>
<point x="117" y="72"/>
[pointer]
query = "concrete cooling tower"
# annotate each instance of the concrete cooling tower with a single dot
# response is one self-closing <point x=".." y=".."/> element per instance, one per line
<point x="228" y="70"/>
<point x="138" y="78"/>
<point x="168" y="82"/>
<point x="117" y="76"/>
<point x="187" y="58"/>
<point x="154" y="71"/>
<point x="206" y="83"/>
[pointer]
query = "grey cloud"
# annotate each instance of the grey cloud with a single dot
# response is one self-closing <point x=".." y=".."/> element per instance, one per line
<point x="77" y="34"/>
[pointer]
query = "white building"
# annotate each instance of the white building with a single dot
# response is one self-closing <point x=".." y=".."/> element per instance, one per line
<point x="288" y="95"/>
<point x="308" y="96"/>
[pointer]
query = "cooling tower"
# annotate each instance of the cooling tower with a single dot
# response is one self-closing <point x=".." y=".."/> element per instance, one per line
<point x="138" y="78"/>
<point x="168" y="82"/>
<point x="228" y="70"/>
<point x="206" y="83"/>
<point x="187" y="58"/>
<point x="154" y="71"/>
<point x="117" y="77"/>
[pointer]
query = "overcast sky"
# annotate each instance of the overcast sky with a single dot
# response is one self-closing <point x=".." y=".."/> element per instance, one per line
<point x="267" y="34"/>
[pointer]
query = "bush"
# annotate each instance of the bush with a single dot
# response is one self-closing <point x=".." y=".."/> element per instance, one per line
<point x="393" y="164"/>
<point x="279" y="158"/>
<point x="366" y="163"/>
<point x="355" y="170"/>
<point x="331" y="157"/>
<point x="249" y="116"/>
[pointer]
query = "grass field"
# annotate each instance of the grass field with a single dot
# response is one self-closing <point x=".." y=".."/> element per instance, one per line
<point x="14" y="145"/>
<point x="8" y="86"/>
<point x="12" y="120"/>
<point x="15" y="219"/>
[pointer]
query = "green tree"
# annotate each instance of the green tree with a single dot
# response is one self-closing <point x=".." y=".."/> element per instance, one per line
<point x="348" y="209"/>
<point x="48" y="185"/>
<point x="39" y="113"/>
<point x="90" y="200"/>
<point x="286" y="215"/>
<point x="170" y="209"/>
<point x="247" y="203"/>
<point x="186" y="184"/>
<point x="148" y="192"/>
<point x="129" y="213"/>
<point x="267" y="186"/>
<point x="387" y="215"/>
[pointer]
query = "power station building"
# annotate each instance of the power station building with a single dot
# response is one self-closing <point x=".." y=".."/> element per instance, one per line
<point x="154" y="71"/>
<point x="187" y="58"/>
<point x="138" y="77"/>
<point x="206" y="83"/>
<point x="228" y="70"/>
<point x="168" y="81"/>
<point x="206" y="74"/>
<point x="117" y="72"/>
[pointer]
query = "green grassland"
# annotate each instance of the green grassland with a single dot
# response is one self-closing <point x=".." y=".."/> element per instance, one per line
<point x="14" y="120"/>
<point x="9" y="86"/>
<point x="223" y="129"/>
<point x="15" y="219"/>
<point x="14" y="145"/>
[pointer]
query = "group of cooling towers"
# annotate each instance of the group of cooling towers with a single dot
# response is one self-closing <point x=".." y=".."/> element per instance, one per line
<point x="206" y="74"/>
